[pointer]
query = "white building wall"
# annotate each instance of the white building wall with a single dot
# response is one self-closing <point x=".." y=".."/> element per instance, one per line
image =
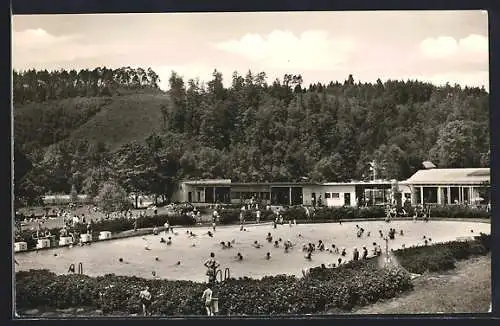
<point x="307" y="192"/>
<point x="341" y="190"/>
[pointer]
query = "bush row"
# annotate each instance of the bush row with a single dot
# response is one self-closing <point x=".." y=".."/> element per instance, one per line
<point x="361" y="284"/>
<point x="232" y="215"/>
<point x="346" y="213"/>
<point x="441" y="256"/>
<point x="357" y="283"/>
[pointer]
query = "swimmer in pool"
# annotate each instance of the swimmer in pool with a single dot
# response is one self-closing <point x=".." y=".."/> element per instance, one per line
<point x="256" y="244"/>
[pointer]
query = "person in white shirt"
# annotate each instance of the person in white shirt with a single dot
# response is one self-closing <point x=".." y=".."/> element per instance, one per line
<point x="257" y="213"/>
<point x="207" y="296"/>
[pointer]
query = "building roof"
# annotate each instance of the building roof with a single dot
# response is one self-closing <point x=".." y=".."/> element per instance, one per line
<point x="450" y="176"/>
<point x="428" y="165"/>
<point x="208" y="182"/>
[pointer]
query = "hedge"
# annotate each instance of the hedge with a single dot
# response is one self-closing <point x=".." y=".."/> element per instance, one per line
<point x="361" y="284"/>
<point x="232" y="215"/>
<point x="441" y="256"/>
<point x="354" y="284"/>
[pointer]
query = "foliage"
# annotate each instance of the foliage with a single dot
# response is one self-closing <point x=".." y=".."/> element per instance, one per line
<point x="251" y="131"/>
<point x="42" y="85"/>
<point x="112" y="198"/>
<point x="363" y="283"/>
<point x="458" y="211"/>
<point x="439" y="257"/>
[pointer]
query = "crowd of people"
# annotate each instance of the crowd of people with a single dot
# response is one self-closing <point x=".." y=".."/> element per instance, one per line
<point x="340" y="255"/>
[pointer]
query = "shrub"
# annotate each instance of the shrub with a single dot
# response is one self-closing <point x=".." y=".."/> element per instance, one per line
<point x="229" y="215"/>
<point x="361" y="284"/>
<point x="457" y="211"/>
<point x="294" y="212"/>
<point x="438" y="257"/>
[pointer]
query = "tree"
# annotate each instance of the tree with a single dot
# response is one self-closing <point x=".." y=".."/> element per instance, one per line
<point x="73" y="195"/>
<point x="112" y="198"/>
<point x="133" y="167"/>
<point x="455" y="146"/>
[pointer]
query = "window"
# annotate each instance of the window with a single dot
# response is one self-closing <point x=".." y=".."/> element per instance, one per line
<point x="235" y="195"/>
<point x="327" y="195"/>
<point x="335" y="195"/>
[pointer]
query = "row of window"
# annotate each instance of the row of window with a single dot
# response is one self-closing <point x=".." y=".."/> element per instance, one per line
<point x="333" y="195"/>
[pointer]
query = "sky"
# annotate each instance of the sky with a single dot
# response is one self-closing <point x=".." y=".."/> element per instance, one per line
<point x="434" y="46"/>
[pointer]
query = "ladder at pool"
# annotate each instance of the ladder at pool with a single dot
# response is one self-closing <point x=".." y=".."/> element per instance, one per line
<point x="227" y="274"/>
<point x="71" y="268"/>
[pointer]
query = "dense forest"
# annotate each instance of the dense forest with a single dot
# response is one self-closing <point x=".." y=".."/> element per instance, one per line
<point x="250" y="131"/>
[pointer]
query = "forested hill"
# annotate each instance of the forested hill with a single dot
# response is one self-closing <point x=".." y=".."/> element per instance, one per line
<point x="83" y="128"/>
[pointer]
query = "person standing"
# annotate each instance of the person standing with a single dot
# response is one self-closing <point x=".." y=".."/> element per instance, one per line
<point x="355" y="255"/>
<point x="365" y="253"/>
<point x="207" y="296"/>
<point x="257" y="213"/>
<point x="211" y="265"/>
<point x="146" y="299"/>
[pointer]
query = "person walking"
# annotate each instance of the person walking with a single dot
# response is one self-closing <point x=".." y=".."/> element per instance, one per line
<point x="207" y="296"/>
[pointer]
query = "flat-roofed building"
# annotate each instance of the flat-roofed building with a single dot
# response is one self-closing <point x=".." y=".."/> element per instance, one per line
<point x="448" y="186"/>
<point x="284" y="193"/>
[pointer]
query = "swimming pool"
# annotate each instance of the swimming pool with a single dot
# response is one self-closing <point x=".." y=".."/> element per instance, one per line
<point x="103" y="257"/>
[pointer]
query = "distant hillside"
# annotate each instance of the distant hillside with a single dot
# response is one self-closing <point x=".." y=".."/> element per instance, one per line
<point x="113" y="120"/>
<point x="125" y="119"/>
<point x="252" y="131"/>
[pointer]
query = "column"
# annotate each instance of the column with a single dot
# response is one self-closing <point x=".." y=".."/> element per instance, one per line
<point x="460" y="194"/>
<point x="204" y="194"/>
<point x="422" y="195"/>
<point x="449" y="195"/>
<point x="439" y="190"/>
<point x="290" y="195"/>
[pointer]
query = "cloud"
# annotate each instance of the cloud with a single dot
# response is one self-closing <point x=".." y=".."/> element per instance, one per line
<point x="474" y="43"/>
<point x="471" y="48"/>
<point x="313" y="50"/>
<point x="38" y="38"/>
<point x="36" y="47"/>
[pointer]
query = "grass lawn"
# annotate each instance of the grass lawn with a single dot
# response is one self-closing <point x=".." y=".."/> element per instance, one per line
<point x="466" y="289"/>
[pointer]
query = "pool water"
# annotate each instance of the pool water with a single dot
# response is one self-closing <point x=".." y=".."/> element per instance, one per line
<point x="103" y="257"/>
